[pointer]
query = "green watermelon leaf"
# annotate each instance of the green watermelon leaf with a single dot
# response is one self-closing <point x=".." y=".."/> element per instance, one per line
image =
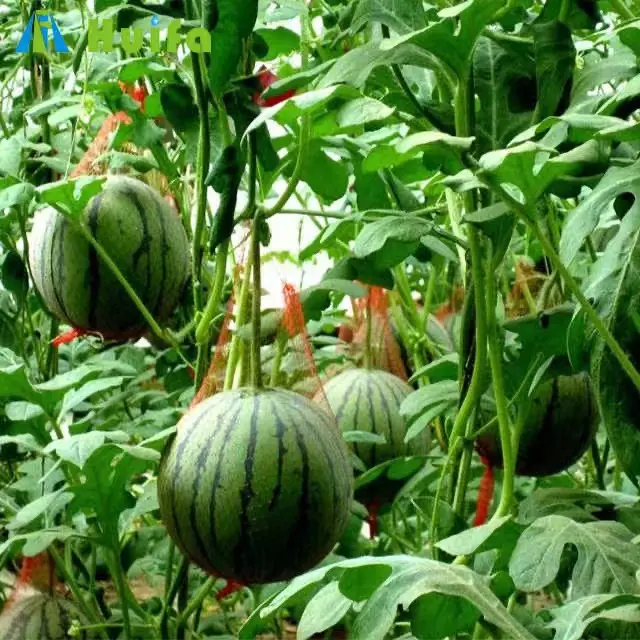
<point x="441" y="616"/>
<point x="614" y="287"/>
<point x="71" y="196"/>
<point x="78" y="449"/>
<point x="445" y="391"/>
<point x="582" y="221"/>
<point x="26" y="440"/>
<point x="73" y="398"/>
<point x="410" y="578"/>
<point x="108" y="472"/>
<point x="501" y="533"/>
<point x="607" y="559"/>
<point x="615" y="616"/>
<point x="311" y="102"/>
<point x="555" y="56"/>
<point x="392" y="239"/>
<point x="36" y="542"/>
<point x="439" y="151"/>
<point x="133" y="69"/>
<point x="324" y="611"/>
<point x="403" y="16"/>
<point x="280" y="42"/>
<point x="17" y="194"/>
<point x="361" y="582"/>
<point x="577" y="504"/>
<point x="50" y="504"/>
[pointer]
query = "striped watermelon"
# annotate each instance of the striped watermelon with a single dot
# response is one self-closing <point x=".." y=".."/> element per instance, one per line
<point x="142" y="235"/>
<point x="559" y="425"/>
<point x="369" y="400"/>
<point x="41" y="617"/>
<point x="256" y="486"/>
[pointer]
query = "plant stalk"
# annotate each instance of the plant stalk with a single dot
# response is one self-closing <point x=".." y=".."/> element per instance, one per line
<point x="523" y="212"/>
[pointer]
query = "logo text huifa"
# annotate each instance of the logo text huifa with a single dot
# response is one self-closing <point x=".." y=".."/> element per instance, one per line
<point x="101" y="37"/>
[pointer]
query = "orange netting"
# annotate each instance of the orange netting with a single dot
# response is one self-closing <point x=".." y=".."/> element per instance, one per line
<point x="300" y="351"/>
<point x="100" y="144"/>
<point x="373" y="334"/>
<point x="36" y="572"/>
<point x="214" y="379"/>
<point x="485" y="494"/>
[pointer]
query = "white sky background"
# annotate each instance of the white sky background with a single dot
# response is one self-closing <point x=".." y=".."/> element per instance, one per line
<point x="288" y="232"/>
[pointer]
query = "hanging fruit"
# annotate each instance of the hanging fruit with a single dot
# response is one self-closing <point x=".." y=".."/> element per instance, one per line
<point x="140" y="233"/>
<point x="558" y="425"/>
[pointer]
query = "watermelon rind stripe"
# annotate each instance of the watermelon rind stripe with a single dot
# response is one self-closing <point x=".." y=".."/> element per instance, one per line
<point x="247" y="493"/>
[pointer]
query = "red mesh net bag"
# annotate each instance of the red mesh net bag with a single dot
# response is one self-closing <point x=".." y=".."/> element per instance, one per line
<point x="88" y="165"/>
<point x="372" y="336"/>
<point x="300" y="352"/>
<point x="36" y="573"/>
<point x="214" y="378"/>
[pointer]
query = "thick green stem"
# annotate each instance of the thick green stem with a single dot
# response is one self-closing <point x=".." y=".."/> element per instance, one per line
<point x="183" y="571"/>
<point x="462" y="424"/>
<point x="297" y="170"/>
<point x="202" y="169"/>
<point x="463" y="105"/>
<point x="241" y="319"/>
<point x="497" y="377"/>
<point x="256" y="361"/>
<point x="203" y="329"/>
<point x="197" y="600"/>
<point x="122" y="590"/>
<point x="70" y="581"/>
<point x="281" y="343"/>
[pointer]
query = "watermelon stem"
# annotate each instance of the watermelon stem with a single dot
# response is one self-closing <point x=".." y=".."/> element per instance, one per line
<point x="240" y="320"/>
<point x="213" y="304"/>
<point x="181" y="575"/>
<point x="256" y="362"/>
<point x="197" y="600"/>
<point x="368" y="360"/>
<point x="106" y="258"/>
<point x="202" y="167"/>
<point x="70" y="581"/>
<point x="497" y="377"/>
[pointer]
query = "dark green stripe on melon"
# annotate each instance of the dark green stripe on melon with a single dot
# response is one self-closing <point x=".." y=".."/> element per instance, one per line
<point x="256" y="486"/>
<point x="141" y="234"/>
<point x="365" y="400"/>
<point x="42" y="617"/>
<point x="559" y="423"/>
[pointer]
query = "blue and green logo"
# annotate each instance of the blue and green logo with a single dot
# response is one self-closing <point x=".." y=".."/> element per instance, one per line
<point x="40" y="25"/>
<point x="101" y="35"/>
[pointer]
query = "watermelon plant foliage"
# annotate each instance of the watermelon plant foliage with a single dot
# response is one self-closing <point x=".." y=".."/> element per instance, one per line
<point x="199" y="451"/>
